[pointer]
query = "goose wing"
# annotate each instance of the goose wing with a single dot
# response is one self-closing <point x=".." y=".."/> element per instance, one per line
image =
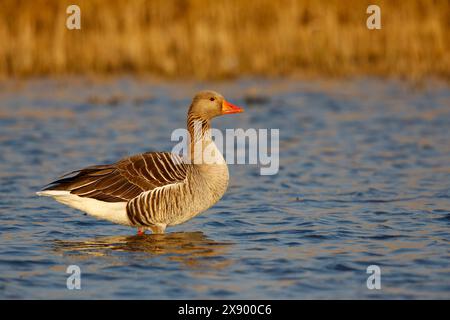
<point x="125" y="179"/>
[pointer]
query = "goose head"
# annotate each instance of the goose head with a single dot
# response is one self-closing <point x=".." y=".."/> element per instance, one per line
<point x="209" y="104"/>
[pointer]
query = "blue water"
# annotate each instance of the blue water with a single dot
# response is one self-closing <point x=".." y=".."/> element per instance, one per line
<point x="364" y="180"/>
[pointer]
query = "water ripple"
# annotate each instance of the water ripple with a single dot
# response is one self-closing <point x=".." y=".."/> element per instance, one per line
<point x="363" y="179"/>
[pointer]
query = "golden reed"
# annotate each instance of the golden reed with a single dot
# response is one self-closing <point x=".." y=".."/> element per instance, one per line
<point x="223" y="38"/>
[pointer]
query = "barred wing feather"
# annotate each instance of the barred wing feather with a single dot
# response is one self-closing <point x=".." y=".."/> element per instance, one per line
<point x="126" y="179"/>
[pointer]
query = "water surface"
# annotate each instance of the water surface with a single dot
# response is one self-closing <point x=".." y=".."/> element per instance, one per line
<point x="364" y="179"/>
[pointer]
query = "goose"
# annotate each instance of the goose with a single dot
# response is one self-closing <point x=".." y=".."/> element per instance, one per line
<point x="153" y="190"/>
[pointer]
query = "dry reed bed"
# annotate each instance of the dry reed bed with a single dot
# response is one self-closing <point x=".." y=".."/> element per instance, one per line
<point x="222" y="38"/>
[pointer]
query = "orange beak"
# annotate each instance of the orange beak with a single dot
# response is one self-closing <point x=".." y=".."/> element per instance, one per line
<point x="228" y="108"/>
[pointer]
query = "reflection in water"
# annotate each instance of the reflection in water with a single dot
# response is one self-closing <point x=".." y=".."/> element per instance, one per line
<point x="185" y="247"/>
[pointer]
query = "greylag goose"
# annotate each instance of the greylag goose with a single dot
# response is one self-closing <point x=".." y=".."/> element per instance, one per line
<point x="153" y="190"/>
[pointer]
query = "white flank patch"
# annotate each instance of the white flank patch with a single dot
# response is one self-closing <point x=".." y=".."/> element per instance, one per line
<point x="112" y="211"/>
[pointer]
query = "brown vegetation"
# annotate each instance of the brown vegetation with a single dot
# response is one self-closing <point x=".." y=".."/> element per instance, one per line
<point x="221" y="38"/>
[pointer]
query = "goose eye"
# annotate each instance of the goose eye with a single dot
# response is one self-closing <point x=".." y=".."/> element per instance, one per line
<point x="212" y="99"/>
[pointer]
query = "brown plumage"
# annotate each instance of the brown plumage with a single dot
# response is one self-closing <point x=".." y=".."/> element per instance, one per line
<point x="126" y="179"/>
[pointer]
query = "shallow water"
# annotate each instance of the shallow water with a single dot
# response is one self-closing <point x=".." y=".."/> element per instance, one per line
<point x="364" y="179"/>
